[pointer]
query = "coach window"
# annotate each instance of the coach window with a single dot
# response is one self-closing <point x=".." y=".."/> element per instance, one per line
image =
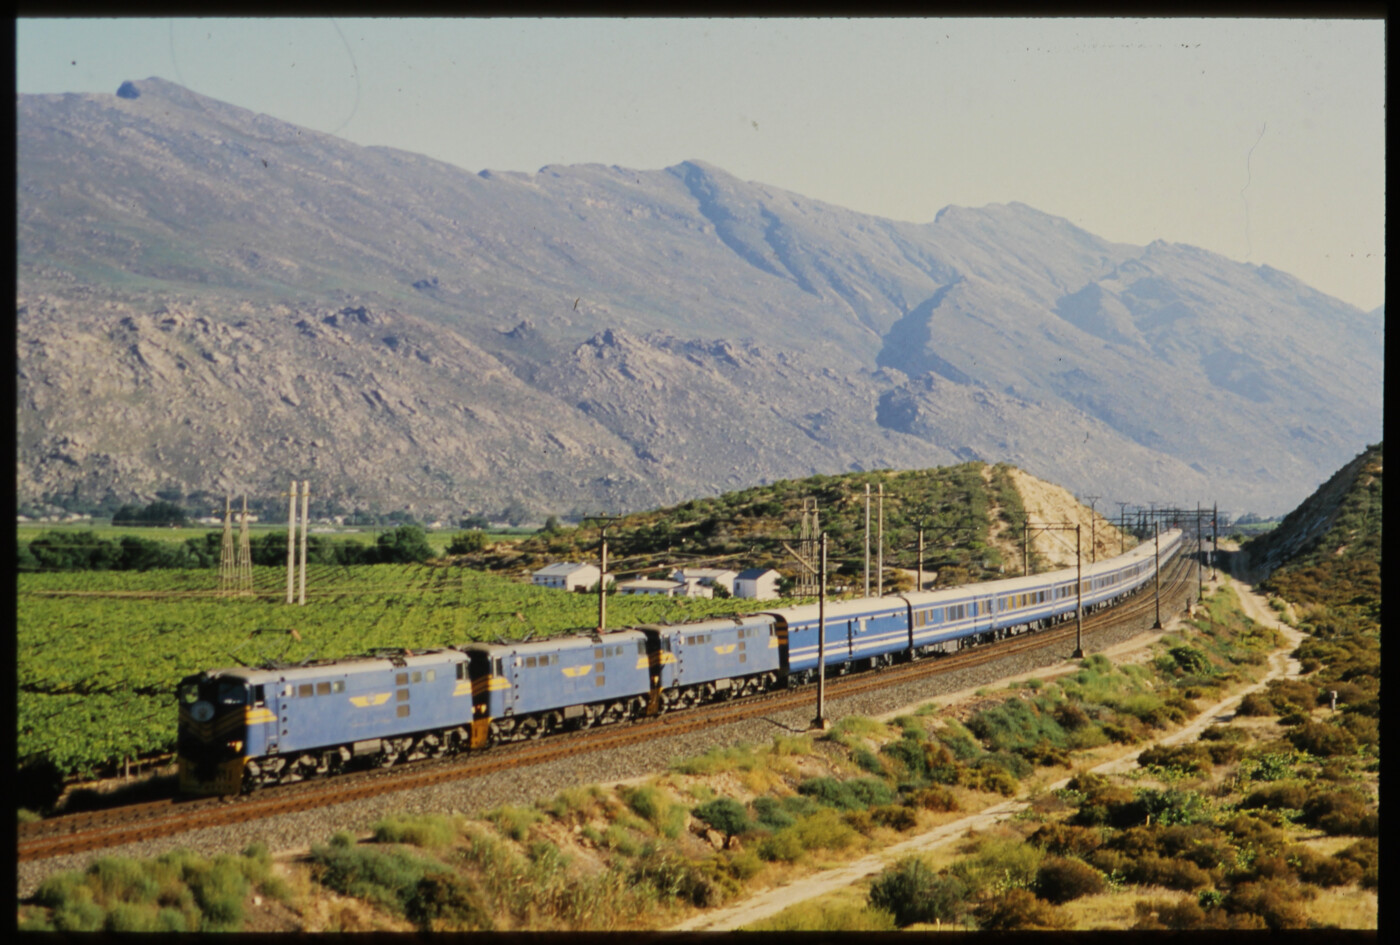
<point x="418" y="676"/>
<point x="597" y="652"/>
<point x="337" y="686"/>
<point x="401" y="679"/>
<point x="432" y="674"/>
<point x="323" y="689"/>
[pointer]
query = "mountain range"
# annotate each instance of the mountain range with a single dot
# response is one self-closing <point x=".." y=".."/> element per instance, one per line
<point x="211" y="300"/>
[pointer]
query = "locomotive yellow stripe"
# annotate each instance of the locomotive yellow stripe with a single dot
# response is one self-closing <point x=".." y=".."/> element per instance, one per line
<point x="258" y="716"/>
<point x="490" y="684"/>
<point x="772" y="643"/>
<point x="667" y="658"/>
<point x="379" y="698"/>
<point x="643" y="662"/>
<point x="726" y="650"/>
<point x="575" y="671"/>
<point x="464" y="688"/>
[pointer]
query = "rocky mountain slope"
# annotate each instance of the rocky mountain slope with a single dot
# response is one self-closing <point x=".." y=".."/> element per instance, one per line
<point x="211" y="299"/>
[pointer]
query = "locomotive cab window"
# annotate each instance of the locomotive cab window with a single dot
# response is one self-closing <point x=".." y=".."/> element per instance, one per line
<point x="232" y="693"/>
<point x="189" y="693"/>
<point x="258" y="695"/>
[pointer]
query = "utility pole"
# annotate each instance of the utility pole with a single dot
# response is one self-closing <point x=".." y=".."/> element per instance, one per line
<point x="1078" y="596"/>
<point x="880" y="544"/>
<point x="1122" y="527"/>
<point x="820" y="721"/>
<point x="1200" y="557"/>
<point x="867" y="539"/>
<point x="1215" y="538"/>
<point x="1157" y="580"/>
<point x="603" y="581"/>
<point x="305" y="522"/>
<point x="1026" y="548"/>
<point x="292" y="541"/>
<point x="1093" y="545"/>
<point x="919" y="565"/>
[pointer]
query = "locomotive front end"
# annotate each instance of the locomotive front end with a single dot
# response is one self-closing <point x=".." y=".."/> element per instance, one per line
<point x="212" y="738"/>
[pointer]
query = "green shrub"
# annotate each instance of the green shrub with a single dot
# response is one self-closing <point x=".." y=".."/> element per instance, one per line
<point x="79" y="916"/>
<point x="1341" y="812"/>
<point x="1277" y="795"/>
<point x="1019" y="909"/>
<point x="1059" y="880"/>
<point x="1016" y="724"/>
<point x="1164" y="871"/>
<point x="1255" y="704"/>
<point x="514" y="822"/>
<point x="386" y="878"/>
<point x="867" y="761"/>
<point x="770" y="814"/>
<point x="1323" y="870"/>
<point x="935" y="799"/>
<point x="1274" y="902"/>
<point x="650" y="803"/>
<point x="725" y="815"/>
<point x="115" y="879"/>
<point x="131" y="917"/>
<point x="1061" y="839"/>
<point x="783" y="845"/>
<point x="446" y="901"/>
<point x="999" y="863"/>
<point x="430" y="831"/>
<point x="854" y="794"/>
<point x="912" y="892"/>
<point x="823" y="830"/>
<point x="1188" y="659"/>
<point x="826" y="917"/>
<point x="1193" y="758"/>
<point x="894" y="816"/>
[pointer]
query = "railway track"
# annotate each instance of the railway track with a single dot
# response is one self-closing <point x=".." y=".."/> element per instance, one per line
<point x="92" y="830"/>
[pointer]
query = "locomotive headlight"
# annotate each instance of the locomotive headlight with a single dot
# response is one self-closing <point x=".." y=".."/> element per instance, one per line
<point x="201" y="711"/>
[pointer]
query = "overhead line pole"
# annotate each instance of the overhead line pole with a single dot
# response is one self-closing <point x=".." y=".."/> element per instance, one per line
<point x="820" y="721"/>
<point x="867" y="539"/>
<point x="880" y="545"/>
<point x="291" y="541"/>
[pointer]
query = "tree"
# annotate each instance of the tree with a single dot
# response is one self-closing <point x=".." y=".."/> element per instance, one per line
<point x="551" y="526"/>
<point x="407" y="544"/>
<point x="468" y="542"/>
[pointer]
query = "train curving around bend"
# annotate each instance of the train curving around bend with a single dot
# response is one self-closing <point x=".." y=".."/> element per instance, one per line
<point x="245" y="728"/>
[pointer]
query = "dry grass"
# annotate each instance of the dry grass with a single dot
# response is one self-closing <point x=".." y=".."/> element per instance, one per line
<point x="1349" y="907"/>
<point x="1110" y="910"/>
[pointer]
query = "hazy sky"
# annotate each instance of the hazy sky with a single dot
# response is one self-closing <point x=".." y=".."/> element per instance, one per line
<point x="1262" y="140"/>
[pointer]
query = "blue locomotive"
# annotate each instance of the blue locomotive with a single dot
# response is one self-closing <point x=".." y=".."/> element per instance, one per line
<point x="245" y="728"/>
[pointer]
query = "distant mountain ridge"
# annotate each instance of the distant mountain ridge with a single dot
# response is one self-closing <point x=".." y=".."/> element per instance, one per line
<point x="212" y="299"/>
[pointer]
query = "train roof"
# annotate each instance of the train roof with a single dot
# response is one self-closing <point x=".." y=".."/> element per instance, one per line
<point x="255" y="675"/>
<point x="551" y="644"/>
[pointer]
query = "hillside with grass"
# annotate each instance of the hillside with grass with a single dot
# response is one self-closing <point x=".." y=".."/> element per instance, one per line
<point x="1327" y="552"/>
<point x="972" y="516"/>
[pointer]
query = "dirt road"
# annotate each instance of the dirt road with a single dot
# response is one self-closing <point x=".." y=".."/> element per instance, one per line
<point x="772" y="901"/>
